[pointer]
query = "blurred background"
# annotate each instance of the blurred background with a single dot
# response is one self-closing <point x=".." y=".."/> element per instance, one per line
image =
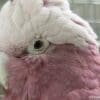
<point x="88" y="9"/>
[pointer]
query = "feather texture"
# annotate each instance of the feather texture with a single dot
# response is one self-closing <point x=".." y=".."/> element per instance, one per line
<point x="75" y="54"/>
<point x="65" y="73"/>
<point x="23" y="20"/>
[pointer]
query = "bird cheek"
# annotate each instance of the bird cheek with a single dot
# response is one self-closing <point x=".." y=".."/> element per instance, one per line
<point x="35" y="59"/>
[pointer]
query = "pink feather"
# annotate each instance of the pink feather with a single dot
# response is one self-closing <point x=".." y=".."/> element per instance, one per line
<point x="66" y="73"/>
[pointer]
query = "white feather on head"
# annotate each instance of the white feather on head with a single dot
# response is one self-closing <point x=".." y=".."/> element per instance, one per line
<point x="22" y="20"/>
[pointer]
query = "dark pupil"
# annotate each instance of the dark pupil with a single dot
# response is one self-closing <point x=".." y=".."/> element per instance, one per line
<point x="38" y="44"/>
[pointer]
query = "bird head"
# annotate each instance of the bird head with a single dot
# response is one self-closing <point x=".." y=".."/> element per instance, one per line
<point x="23" y="22"/>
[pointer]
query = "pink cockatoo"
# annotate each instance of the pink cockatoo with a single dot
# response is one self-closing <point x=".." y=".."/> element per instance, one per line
<point x="47" y="52"/>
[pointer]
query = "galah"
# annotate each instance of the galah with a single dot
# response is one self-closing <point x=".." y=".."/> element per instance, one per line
<point x="47" y="52"/>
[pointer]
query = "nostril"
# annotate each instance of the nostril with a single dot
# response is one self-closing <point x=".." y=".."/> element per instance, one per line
<point x="38" y="44"/>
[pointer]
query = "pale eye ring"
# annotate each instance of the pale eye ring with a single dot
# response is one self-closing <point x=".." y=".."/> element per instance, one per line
<point x="38" y="46"/>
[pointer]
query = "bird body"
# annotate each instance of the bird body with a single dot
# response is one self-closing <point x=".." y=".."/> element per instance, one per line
<point x="47" y="52"/>
<point x="74" y="75"/>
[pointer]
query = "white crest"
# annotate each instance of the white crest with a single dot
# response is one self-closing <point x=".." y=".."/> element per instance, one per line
<point x="23" y="20"/>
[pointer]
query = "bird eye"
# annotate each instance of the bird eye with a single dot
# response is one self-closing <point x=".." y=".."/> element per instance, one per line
<point x="38" y="46"/>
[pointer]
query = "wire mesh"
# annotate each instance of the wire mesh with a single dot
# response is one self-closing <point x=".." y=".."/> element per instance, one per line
<point x="89" y="10"/>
